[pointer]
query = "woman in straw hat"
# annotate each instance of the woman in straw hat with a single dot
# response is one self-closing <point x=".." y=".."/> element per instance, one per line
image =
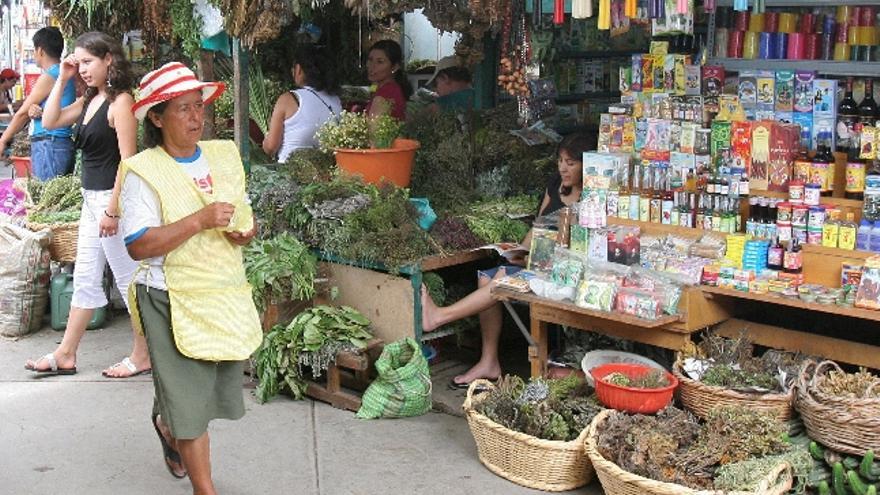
<point x="186" y="216"/>
<point x="106" y="132"/>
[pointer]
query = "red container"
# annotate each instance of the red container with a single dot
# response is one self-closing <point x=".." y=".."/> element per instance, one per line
<point x="21" y="166"/>
<point x="629" y="399"/>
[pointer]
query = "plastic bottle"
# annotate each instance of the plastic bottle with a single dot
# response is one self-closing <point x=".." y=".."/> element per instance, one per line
<point x="848" y="232"/>
<point x="863" y="236"/>
<point x="875" y="237"/>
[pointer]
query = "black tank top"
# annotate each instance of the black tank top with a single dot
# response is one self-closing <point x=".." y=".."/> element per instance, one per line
<point x="556" y="202"/>
<point x="100" y="150"/>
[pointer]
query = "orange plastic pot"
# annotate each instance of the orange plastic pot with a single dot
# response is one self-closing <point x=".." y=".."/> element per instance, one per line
<point x="22" y="166"/>
<point x="392" y="164"/>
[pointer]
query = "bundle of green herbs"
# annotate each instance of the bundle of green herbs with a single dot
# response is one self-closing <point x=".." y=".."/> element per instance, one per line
<point x="552" y="409"/>
<point x="309" y="165"/>
<point x="454" y="234"/>
<point x="731" y="363"/>
<point x="674" y="447"/>
<point x="278" y="269"/>
<point x="312" y="339"/>
<point x="57" y="200"/>
<point x="652" y="379"/>
<point x="497" y="228"/>
<point x="355" y="131"/>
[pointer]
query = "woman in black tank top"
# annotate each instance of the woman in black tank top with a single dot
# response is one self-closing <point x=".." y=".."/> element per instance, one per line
<point x="106" y="131"/>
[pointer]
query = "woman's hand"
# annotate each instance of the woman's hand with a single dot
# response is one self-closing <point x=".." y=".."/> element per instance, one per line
<point x="69" y="68"/>
<point x="216" y="215"/>
<point x="108" y="226"/>
<point x="35" y="111"/>
<point x="242" y="238"/>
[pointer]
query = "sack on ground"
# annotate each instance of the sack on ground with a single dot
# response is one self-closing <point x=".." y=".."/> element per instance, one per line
<point x="24" y="279"/>
<point x="403" y="385"/>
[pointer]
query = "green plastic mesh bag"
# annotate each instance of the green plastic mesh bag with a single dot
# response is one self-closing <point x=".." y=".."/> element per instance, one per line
<point x="403" y="385"/>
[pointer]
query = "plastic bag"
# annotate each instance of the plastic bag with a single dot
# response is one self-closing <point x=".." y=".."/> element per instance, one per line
<point x="568" y="267"/>
<point x="599" y="286"/>
<point x="403" y="385"/>
<point x="12" y="199"/>
<point x="24" y="279"/>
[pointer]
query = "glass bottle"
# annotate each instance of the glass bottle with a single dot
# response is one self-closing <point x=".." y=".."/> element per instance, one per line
<point x="847" y="119"/>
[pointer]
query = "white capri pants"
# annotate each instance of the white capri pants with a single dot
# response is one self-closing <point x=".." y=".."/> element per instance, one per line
<point x="93" y="252"/>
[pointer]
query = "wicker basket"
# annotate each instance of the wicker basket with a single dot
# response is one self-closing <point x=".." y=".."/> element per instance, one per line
<point x="843" y="424"/>
<point x="616" y="481"/>
<point x="547" y="465"/>
<point x="700" y="398"/>
<point x="64" y="236"/>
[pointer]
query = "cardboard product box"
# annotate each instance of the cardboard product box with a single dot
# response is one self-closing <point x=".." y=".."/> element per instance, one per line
<point x="648" y="73"/>
<point x="765" y="82"/>
<point x="803" y="91"/>
<point x="680" y="86"/>
<point x="824" y="99"/>
<point x="758" y="176"/>
<point x="741" y="146"/>
<point x="604" y="141"/>
<point x="824" y="125"/>
<point x="636" y="73"/>
<point x="784" y="117"/>
<point x="669" y="73"/>
<point x="747" y="90"/>
<point x="721" y="133"/>
<point x="688" y="137"/>
<point x="785" y="91"/>
<point x="692" y="83"/>
<point x="598" y="165"/>
<point x="804" y="120"/>
<point x="625" y="80"/>
<point x="784" y="144"/>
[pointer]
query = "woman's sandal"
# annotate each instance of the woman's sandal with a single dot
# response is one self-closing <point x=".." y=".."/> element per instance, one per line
<point x="53" y="369"/>
<point x="169" y="453"/>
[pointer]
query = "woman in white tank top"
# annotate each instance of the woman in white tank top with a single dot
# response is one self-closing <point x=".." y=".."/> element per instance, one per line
<point x="298" y="114"/>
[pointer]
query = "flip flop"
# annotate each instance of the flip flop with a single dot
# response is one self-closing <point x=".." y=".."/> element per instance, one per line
<point x="454" y="385"/>
<point x="168" y="452"/>
<point x="126" y="362"/>
<point x="53" y="370"/>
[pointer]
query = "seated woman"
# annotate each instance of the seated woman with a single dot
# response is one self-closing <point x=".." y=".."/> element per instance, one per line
<point x="385" y="71"/>
<point x="299" y="113"/>
<point x="563" y="189"/>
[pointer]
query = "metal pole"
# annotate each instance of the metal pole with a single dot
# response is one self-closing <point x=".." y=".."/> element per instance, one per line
<point x="242" y="102"/>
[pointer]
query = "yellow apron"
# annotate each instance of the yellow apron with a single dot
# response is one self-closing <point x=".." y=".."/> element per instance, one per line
<point x="213" y="316"/>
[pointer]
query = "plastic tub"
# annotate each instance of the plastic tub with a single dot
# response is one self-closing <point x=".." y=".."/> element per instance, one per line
<point x="629" y="399"/>
<point x="593" y="359"/>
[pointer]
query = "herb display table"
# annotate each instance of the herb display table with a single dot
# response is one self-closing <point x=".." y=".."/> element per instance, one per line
<point x="668" y="332"/>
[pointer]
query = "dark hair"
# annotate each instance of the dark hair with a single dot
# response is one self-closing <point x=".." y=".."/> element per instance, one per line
<point x="575" y="145"/>
<point x="120" y="78"/>
<point x="50" y="40"/>
<point x="394" y="53"/>
<point x="316" y="68"/>
<point x="460" y="74"/>
<point x="152" y="134"/>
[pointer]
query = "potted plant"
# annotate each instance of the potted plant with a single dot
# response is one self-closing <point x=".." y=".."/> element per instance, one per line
<point x="20" y="155"/>
<point x="370" y="147"/>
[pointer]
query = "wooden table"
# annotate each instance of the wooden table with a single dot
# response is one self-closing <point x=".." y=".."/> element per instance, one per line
<point x="668" y="332"/>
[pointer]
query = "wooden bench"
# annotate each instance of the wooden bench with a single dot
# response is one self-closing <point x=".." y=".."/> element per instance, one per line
<point x="351" y="373"/>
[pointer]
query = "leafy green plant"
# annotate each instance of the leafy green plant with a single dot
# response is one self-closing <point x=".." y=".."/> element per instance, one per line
<point x="313" y="337"/>
<point x="280" y="268"/>
<point x="358" y="131"/>
<point x="57" y="200"/>
<point x="186" y="27"/>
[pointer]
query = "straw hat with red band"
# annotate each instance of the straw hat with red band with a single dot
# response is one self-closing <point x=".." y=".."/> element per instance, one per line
<point x="170" y="81"/>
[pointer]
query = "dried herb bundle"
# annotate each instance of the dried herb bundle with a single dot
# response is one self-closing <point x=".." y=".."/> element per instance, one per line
<point x="309" y="165"/>
<point x="653" y="379"/>
<point x="554" y="409"/>
<point x="732" y="363"/>
<point x="859" y="385"/>
<point x="454" y="234"/>
<point x="673" y="447"/>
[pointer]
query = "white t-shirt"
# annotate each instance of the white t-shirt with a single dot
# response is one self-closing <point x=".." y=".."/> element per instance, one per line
<point x="142" y="210"/>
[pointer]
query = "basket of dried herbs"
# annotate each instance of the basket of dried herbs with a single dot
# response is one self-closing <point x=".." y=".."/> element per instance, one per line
<point x="725" y="372"/>
<point x="57" y="204"/>
<point x="533" y="433"/>
<point x="840" y="410"/>
<point x="735" y="451"/>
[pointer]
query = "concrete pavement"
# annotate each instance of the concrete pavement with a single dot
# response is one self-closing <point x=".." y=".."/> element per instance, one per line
<point x="85" y="434"/>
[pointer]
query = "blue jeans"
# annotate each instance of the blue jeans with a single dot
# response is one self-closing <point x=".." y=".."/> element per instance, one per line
<point x="52" y="157"/>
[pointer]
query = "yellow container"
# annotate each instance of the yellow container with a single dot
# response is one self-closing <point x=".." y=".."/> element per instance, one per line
<point x="750" y="45"/>
<point x="756" y="23"/>
<point x="787" y="22"/>
<point x="841" y="51"/>
<point x="843" y="14"/>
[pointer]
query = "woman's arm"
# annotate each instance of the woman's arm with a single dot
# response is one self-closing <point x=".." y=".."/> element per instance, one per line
<point x="159" y="241"/>
<point x="120" y="118"/>
<point x="53" y="115"/>
<point x="285" y="107"/>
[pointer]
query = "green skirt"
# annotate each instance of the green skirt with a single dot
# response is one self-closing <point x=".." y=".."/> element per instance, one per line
<point x="189" y="392"/>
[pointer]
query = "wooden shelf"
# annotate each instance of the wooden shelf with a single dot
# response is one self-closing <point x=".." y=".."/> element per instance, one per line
<point x="864" y="314"/>
<point x="437" y="262"/>
<point x="853" y="204"/>
<point x="510" y="295"/>
<point x="659" y="228"/>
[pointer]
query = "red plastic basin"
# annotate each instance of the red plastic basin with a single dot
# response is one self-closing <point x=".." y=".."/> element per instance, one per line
<point x="629" y="399"/>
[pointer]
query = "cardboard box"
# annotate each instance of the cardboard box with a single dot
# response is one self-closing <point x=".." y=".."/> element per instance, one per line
<point x="803" y="91"/>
